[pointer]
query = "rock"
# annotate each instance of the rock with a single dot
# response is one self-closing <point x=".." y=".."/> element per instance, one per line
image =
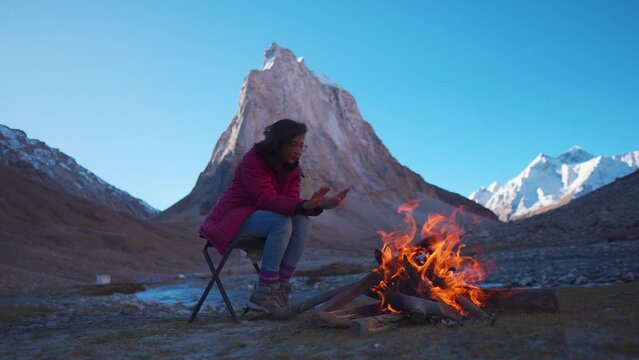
<point x="136" y="304"/>
<point x="527" y="281"/>
<point x="568" y="279"/>
<point x="629" y="276"/>
<point x="581" y="280"/>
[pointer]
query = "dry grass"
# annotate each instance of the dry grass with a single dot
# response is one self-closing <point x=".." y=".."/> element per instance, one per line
<point x="14" y="313"/>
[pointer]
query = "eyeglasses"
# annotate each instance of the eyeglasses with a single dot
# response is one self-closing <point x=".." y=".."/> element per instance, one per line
<point x="295" y="145"/>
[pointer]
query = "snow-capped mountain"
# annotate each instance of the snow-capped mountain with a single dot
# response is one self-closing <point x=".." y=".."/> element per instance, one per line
<point x="36" y="158"/>
<point x="548" y="182"/>
<point x="343" y="151"/>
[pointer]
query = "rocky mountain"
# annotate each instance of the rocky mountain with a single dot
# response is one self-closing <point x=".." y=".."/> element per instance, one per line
<point x="343" y="151"/>
<point x="610" y="213"/>
<point x="592" y="239"/>
<point x="549" y="182"/>
<point x="51" y="238"/>
<point x="35" y="158"/>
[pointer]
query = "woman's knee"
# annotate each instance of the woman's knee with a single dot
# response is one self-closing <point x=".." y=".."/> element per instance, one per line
<point x="301" y="223"/>
<point x="281" y="223"/>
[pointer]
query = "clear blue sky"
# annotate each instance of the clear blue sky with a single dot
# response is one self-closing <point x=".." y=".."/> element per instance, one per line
<point x="462" y="92"/>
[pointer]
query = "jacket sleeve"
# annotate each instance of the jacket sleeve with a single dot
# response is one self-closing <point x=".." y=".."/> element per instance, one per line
<point x="256" y="180"/>
<point x="295" y="192"/>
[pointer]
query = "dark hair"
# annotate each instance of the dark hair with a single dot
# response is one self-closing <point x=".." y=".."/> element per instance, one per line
<point x="276" y="136"/>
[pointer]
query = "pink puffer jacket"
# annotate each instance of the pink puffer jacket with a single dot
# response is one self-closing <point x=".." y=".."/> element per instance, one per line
<point x="254" y="187"/>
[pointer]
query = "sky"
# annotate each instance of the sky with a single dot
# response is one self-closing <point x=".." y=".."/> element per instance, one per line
<point x="461" y="92"/>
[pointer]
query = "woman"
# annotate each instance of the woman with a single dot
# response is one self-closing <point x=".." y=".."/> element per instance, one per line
<point x="264" y="201"/>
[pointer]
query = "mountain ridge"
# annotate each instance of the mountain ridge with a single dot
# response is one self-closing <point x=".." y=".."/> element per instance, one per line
<point x="35" y="157"/>
<point x="547" y="182"/>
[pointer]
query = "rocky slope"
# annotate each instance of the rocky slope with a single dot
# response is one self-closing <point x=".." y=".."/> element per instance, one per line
<point x="35" y="158"/>
<point x="50" y="238"/>
<point x="609" y="214"/>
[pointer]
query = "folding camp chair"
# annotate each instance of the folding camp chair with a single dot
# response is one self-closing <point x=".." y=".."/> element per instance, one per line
<point x="253" y="247"/>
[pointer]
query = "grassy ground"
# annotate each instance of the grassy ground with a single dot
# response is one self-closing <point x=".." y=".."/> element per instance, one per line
<point x="598" y="323"/>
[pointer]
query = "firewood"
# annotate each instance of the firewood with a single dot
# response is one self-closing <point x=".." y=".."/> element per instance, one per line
<point x="341" y="318"/>
<point x="337" y="318"/>
<point x="523" y="299"/>
<point x="378" y="256"/>
<point x="475" y="311"/>
<point x="359" y="288"/>
<point x="372" y="324"/>
<point x="421" y="309"/>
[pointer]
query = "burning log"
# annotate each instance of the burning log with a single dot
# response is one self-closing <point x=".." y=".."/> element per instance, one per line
<point x="475" y="311"/>
<point x="372" y="324"/>
<point x="420" y="309"/>
<point x="523" y="299"/>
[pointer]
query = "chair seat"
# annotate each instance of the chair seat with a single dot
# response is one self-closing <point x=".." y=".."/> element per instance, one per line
<point x="253" y="246"/>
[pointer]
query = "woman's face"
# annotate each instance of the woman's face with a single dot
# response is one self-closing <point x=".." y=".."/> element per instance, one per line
<point x="292" y="150"/>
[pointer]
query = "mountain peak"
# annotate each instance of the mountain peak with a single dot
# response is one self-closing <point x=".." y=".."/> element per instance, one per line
<point x="541" y="158"/>
<point x="493" y="186"/>
<point x="575" y="155"/>
<point x="276" y="53"/>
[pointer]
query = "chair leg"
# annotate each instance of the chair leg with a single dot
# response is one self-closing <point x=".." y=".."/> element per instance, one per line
<point x="225" y="297"/>
<point x="214" y="279"/>
<point x="201" y="301"/>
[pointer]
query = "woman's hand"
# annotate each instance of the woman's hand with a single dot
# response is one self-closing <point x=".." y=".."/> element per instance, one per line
<point x="318" y="198"/>
<point x="335" y="200"/>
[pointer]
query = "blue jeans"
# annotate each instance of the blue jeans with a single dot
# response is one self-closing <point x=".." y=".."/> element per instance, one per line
<point x="285" y="237"/>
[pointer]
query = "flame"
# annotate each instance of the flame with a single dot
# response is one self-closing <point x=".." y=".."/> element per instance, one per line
<point x="432" y="267"/>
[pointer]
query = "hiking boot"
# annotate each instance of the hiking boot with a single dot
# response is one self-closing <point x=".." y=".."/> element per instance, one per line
<point x="286" y="292"/>
<point x="266" y="299"/>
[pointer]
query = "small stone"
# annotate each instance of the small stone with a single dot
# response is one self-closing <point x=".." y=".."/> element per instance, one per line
<point x="377" y="345"/>
<point x="137" y="305"/>
<point x="581" y="280"/>
<point x="568" y="279"/>
<point x="527" y="281"/>
<point x="609" y="310"/>
<point x="629" y="276"/>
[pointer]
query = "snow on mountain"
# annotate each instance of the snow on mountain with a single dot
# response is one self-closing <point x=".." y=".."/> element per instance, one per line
<point x="548" y="182"/>
<point x="482" y="195"/>
<point x="33" y="156"/>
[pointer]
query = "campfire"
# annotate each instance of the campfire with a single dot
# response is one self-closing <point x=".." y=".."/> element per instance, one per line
<point x="422" y="279"/>
<point x="430" y="268"/>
